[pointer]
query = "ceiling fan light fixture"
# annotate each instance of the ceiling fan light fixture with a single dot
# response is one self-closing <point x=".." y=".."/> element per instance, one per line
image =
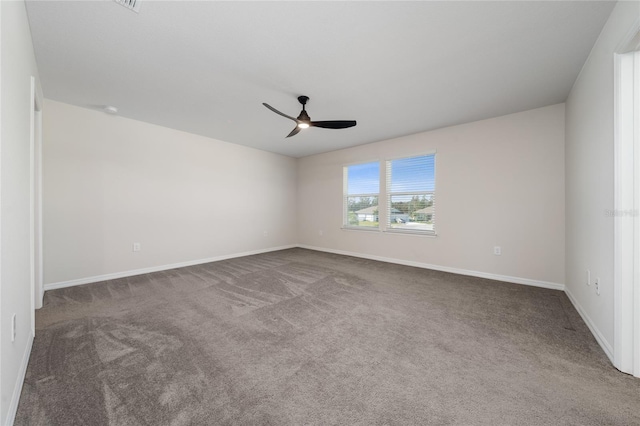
<point x="304" y="121"/>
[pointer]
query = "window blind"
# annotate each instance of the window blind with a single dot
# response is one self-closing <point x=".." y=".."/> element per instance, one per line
<point x="411" y="194"/>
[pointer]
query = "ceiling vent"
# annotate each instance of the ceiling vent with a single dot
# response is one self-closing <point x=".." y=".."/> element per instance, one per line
<point x="130" y="4"/>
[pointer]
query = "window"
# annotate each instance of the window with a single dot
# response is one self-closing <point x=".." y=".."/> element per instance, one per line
<point x="407" y="201"/>
<point x="361" y="193"/>
<point x="411" y="194"/>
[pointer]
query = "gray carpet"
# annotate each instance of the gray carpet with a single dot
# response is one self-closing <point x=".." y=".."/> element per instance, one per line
<point x="300" y="337"/>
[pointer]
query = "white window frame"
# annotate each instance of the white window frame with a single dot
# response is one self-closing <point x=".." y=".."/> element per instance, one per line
<point x="388" y="194"/>
<point x="346" y="195"/>
<point x="384" y="198"/>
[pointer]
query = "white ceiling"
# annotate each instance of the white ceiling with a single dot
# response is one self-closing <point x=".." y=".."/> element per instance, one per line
<point x="395" y="67"/>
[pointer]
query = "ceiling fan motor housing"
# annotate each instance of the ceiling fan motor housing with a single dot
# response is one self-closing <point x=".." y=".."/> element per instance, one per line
<point x="304" y="116"/>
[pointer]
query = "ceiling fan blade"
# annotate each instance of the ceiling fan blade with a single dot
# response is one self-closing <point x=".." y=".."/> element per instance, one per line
<point x="294" y="132"/>
<point x="278" y="112"/>
<point x="333" y="124"/>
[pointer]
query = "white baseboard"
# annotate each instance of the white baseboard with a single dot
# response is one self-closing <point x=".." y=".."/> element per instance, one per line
<point x="116" y="275"/>
<point x="17" y="389"/>
<point x="515" y="280"/>
<point x="606" y="347"/>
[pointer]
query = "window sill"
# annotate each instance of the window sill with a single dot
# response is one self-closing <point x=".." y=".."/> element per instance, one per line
<point x="413" y="233"/>
<point x="360" y="228"/>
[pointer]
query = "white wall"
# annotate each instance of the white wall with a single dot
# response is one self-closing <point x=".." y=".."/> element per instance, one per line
<point x="498" y="182"/>
<point x="17" y="66"/>
<point x="111" y="181"/>
<point x="590" y="174"/>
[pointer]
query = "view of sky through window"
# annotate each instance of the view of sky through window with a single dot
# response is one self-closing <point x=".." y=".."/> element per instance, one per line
<point x="364" y="178"/>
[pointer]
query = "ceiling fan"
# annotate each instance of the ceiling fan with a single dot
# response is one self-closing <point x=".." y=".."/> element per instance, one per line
<point x="304" y="121"/>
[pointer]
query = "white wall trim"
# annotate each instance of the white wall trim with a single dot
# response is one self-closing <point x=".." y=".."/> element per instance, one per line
<point x="36" y="128"/>
<point x="515" y="280"/>
<point x="116" y="275"/>
<point x="606" y="346"/>
<point x="625" y="202"/>
<point x="17" y="389"/>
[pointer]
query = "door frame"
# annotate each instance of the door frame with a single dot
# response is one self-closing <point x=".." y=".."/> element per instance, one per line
<point x="626" y="349"/>
<point x="35" y="200"/>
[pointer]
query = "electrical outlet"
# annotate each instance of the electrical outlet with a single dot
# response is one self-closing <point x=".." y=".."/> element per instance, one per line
<point x="266" y="233"/>
<point x="320" y="232"/>
<point x="597" y="286"/>
<point x="13" y="327"/>
<point x="137" y="247"/>
<point x="588" y="277"/>
<point x="497" y="250"/>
